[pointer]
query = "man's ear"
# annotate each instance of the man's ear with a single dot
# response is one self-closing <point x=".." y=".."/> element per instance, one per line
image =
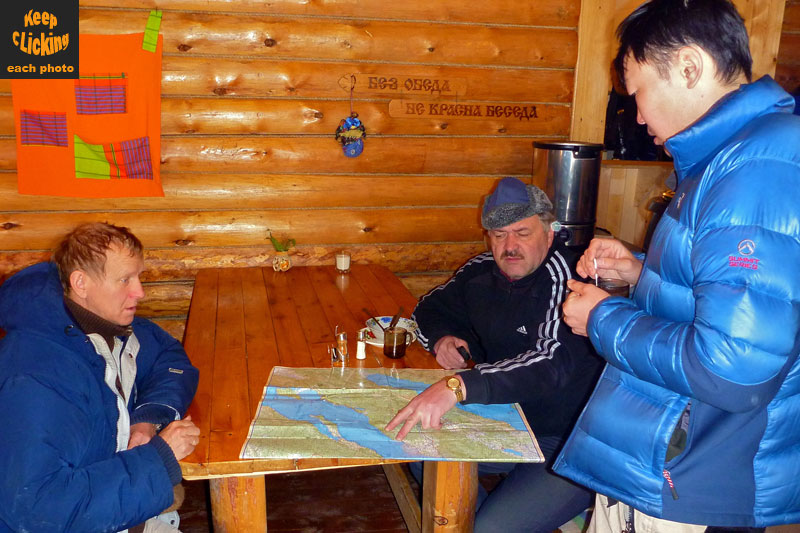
<point x="77" y="283"/>
<point x="690" y="65"/>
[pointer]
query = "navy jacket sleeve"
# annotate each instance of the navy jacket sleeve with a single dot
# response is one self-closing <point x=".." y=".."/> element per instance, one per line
<point x="165" y="379"/>
<point x="46" y="435"/>
<point x="442" y="311"/>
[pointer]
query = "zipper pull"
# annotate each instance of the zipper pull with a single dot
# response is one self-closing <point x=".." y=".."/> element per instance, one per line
<point x="671" y="485"/>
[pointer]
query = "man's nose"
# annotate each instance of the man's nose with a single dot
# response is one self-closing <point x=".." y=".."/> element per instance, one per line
<point x="511" y="242"/>
<point x="137" y="291"/>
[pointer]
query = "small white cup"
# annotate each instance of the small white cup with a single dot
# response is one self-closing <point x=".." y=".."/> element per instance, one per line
<point x="343" y="262"/>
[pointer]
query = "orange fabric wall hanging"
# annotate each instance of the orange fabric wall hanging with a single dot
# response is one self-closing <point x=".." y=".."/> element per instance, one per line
<point x="98" y="136"/>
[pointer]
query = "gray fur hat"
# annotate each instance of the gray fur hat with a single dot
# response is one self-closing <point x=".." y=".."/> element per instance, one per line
<point x="512" y="201"/>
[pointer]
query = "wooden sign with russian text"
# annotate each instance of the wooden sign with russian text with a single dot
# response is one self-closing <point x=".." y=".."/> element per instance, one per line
<point x="408" y="84"/>
<point x="480" y="111"/>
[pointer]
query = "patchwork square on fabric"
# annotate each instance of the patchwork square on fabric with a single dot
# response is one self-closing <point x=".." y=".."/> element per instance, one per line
<point x="98" y="94"/>
<point x="124" y="160"/>
<point x="43" y="128"/>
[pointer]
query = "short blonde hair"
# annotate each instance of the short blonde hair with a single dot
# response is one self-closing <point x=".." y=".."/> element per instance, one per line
<point x="85" y="248"/>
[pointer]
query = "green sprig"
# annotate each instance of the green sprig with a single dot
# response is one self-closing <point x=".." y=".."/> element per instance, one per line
<point x="281" y="246"/>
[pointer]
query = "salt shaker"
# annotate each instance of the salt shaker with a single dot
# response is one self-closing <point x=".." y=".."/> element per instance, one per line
<point x="361" y="346"/>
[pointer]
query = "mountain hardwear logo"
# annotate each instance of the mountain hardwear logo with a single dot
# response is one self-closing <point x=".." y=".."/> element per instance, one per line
<point x="746" y="247"/>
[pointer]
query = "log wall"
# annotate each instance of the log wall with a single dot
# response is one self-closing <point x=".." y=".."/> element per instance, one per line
<point x="452" y="95"/>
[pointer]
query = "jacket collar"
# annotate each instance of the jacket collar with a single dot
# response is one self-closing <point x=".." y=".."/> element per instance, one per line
<point x="694" y="145"/>
<point x="92" y="323"/>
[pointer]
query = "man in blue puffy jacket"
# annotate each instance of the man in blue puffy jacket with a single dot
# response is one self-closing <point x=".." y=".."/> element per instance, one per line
<point x="694" y="421"/>
<point x="91" y="397"/>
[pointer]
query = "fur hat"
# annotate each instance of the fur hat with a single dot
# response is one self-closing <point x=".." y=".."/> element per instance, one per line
<point x="512" y="201"/>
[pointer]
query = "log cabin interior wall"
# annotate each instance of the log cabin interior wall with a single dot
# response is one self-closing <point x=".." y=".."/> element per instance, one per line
<point x="452" y="94"/>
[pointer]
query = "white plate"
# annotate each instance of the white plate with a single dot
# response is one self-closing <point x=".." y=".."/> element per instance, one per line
<point x="377" y="340"/>
<point x="377" y="331"/>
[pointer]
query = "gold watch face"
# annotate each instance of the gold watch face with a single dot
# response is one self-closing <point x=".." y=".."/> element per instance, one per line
<point x="453" y="383"/>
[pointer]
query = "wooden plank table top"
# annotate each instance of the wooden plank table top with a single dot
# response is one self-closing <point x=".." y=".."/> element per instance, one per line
<point x="244" y="321"/>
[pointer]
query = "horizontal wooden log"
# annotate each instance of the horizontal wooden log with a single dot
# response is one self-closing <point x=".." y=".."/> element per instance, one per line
<point x="183" y="264"/>
<point x="166" y="299"/>
<point x="550" y="13"/>
<point x="268" y="36"/>
<point x="265" y="191"/>
<point x="308" y="79"/>
<point x="411" y="155"/>
<point x="244" y="116"/>
<point x="257" y="116"/>
<point x="159" y="229"/>
<point x="391" y="155"/>
<point x="185" y="76"/>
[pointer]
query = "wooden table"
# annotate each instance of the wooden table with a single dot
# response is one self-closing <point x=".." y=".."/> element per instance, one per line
<point x="242" y="322"/>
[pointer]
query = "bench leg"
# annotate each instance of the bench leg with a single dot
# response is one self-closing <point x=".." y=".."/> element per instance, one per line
<point x="404" y="495"/>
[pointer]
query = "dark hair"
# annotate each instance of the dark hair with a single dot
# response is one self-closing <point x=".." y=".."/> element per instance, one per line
<point x="656" y="29"/>
<point x="86" y="246"/>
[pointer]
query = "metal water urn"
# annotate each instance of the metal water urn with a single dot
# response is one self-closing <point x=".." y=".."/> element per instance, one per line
<point x="569" y="172"/>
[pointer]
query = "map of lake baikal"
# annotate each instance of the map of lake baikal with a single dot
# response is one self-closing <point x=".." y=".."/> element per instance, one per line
<point x="341" y="412"/>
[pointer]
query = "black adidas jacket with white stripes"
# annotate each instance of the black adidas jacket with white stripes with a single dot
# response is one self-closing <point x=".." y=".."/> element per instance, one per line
<point x="523" y="350"/>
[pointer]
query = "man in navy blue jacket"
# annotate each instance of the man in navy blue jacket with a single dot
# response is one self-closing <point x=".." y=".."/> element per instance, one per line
<point x="91" y="397"/>
<point x="503" y="308"/>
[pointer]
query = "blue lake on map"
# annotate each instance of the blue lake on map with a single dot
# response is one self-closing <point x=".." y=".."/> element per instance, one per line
<point x="351" y="424"/>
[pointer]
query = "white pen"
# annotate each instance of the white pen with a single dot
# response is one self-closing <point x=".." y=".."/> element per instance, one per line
<point x="595" y="271"/>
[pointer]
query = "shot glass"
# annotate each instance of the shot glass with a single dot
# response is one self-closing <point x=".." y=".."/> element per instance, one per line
<point x="394" y="342"/>
<point x="342" y="262"/>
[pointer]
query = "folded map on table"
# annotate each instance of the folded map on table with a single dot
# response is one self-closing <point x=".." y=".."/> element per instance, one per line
<point x="341" y="412"/>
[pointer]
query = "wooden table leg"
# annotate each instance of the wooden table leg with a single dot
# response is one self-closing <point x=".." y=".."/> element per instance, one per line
<point x="238" y="504"/>
<point x="449" y="493"/>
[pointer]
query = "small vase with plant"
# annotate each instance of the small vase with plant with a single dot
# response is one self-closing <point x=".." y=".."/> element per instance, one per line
<point x="281" y="261"/>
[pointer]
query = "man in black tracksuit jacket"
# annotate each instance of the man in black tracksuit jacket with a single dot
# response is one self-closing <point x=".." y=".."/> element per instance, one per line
<point x="507" y="314"/>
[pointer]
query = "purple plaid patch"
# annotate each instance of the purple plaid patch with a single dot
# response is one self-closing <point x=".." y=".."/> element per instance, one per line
<point x="46" y="128"/>
<point x="101" y="94"/>
<point x="136" y="159"/>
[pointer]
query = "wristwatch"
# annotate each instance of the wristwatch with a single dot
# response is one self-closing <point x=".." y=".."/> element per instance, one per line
<point x="454" y="384"/>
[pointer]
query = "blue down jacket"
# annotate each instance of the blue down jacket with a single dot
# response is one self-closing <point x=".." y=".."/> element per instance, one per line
<point x="713" y="325"/>
<point x="59" y="470"/>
